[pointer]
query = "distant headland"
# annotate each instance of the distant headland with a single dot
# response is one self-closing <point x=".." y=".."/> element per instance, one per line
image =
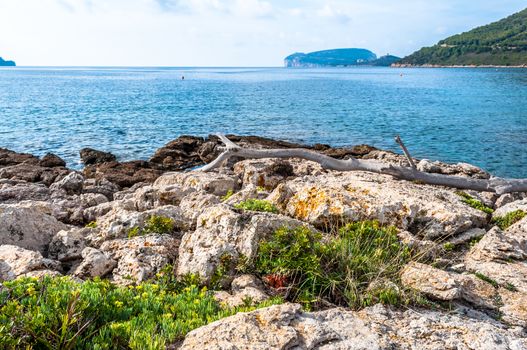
<point x="499" y="44"/>
<point x="4" y="63"/>
<point x="338" y="58"/>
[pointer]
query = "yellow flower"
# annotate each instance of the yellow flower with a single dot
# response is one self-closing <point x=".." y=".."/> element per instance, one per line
<point x="118" y="303"/>
<point x="155" y="286"/>
<point x="144" y="295"/>
<point x="169" y="315"/>
<point x="196" y="301"/>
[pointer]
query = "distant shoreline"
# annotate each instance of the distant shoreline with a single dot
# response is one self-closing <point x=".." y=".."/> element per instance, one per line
<point x="402" y="65"/>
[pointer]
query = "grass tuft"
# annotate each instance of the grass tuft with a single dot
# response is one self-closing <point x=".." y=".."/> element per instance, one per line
<point x="154" y="224"/>
<point x="358" y="267"/>
<point x="474" y="203"/>
<point x="511" y="218"/>
<point x="257" y="205"/>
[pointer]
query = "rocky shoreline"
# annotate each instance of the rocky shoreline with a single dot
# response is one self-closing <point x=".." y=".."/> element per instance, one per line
<point x="127" y="221"/>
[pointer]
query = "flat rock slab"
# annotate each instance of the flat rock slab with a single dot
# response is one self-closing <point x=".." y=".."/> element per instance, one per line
<point x="428" y="211"/>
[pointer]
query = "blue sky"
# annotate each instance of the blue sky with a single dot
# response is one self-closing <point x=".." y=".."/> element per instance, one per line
<point x="226" y="32"/>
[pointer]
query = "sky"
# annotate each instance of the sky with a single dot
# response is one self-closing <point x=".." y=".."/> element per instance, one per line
<point x="254" y="33"/>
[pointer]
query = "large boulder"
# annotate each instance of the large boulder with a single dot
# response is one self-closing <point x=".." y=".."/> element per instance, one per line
<point x="28" y="226"/>
<point x="288" y="327"/>
<point x="181" y="153"/>
<point x="91" y="156"/>
<point x="428" y="211"/>
<point x="12" y="191"/>
<point x="125" y="174"/>
<point x="266" y="173"/>
<point x="223" y="234"/>
<point x="211" y="182"/>
<point x="140" y="258"/>
<point x="16" y="261"/>
<point x="502" y="255"/>
<point x="118" y="222"/>
<point x="95" y="263"/>
<point x="71" y="184"/>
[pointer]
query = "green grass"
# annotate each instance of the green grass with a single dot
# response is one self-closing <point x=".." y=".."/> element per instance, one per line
<point x="59" y="313"/>
<point x="227" y="195"/>
<point x="487" y="279"/>
<point x="474" y="203"/>
<point x="511" y="218"/>
<point x="358" y="267"/>
<point x="154" y="224"/>
<point x="91" y="224"/>
<point x="257" y="205"/>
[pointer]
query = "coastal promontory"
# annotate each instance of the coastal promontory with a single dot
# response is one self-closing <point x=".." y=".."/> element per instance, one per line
<point x="502" y="43"/>
<point x="337" y="58"/>
<point x="4" y="63"/>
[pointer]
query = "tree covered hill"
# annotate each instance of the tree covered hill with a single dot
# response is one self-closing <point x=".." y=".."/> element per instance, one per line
<point x="500" y="43"/>
<point x="6" y="63"/>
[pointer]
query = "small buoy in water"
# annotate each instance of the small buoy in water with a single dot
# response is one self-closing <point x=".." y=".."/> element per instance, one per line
<point x="182" y="77"/>
<point x="401" y="74"/>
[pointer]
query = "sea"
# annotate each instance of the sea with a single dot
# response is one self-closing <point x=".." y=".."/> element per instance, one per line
<point x="478" y="116"/>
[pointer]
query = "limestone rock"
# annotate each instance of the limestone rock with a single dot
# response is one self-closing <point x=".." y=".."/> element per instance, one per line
<point x="510" y="207"/>
<point x="211" y="182"/>
<point x="448" y="286"/>
<point x="17" y="261"/>
<point x="140" y="258"/>
<point x="433" y="282"/>
<point x="194" y="203"/>
<point x="287" y="327"/>
<point x="27" y="227"/>
<point x="266" y="173"/>
<point x="245" y="288"/>
<point x="222" y="232"/>
<point x="118" y="222"/>
<point x="71" y="184"/>
<point x="67" y="245"/>
<point x="41" y="274"/>
<point x="12" y="191"/>
<point x="94" y="264"/>
<point x="424" y="210"/>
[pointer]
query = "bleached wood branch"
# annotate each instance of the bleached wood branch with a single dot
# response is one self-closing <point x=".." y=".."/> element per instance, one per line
<point x="405" y="151"/>
<point x="494" y="184"/>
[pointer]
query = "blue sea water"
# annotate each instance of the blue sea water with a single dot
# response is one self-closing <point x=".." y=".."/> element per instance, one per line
<point x="472" y="115"/>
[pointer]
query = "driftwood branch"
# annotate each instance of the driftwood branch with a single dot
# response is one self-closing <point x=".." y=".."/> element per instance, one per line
<point x="494" y="184"/>
<point x="405" y="151"/>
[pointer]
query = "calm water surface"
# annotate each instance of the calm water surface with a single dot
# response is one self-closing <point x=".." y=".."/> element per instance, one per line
<point x="473" y="115"/>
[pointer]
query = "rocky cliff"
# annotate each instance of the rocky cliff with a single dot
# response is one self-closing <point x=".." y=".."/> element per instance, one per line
<point x="429" y="268"/>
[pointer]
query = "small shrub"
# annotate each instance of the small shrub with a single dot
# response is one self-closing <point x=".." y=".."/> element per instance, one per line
<point x="91" y="224"/>
<point x="59" y="313"/>
<point x="504" y="222"/>
<point x="227" y="195"/>
<point x="154" y="224"/>
<point x="474" y="203"/>
<point x="448" y="246"/>
<point x="257" y="205"/>
<point x="357" y="268"/>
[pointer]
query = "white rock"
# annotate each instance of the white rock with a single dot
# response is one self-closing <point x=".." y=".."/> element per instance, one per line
<point x="67" y="245"/>
<point x="287" y="327"/>
<point x="221" y="231"/>
<point x="27" y="227"/>
<point x="211" y="182"/>
<point x="94" y="264"/>
<point x="140" y="258"/>
<point x="71" y="183"/>
<point x="424" y="210"/>
<point x="17" y="261"/>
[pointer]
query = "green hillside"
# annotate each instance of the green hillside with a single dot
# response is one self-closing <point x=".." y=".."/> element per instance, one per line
<point x="500" y="43"/>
